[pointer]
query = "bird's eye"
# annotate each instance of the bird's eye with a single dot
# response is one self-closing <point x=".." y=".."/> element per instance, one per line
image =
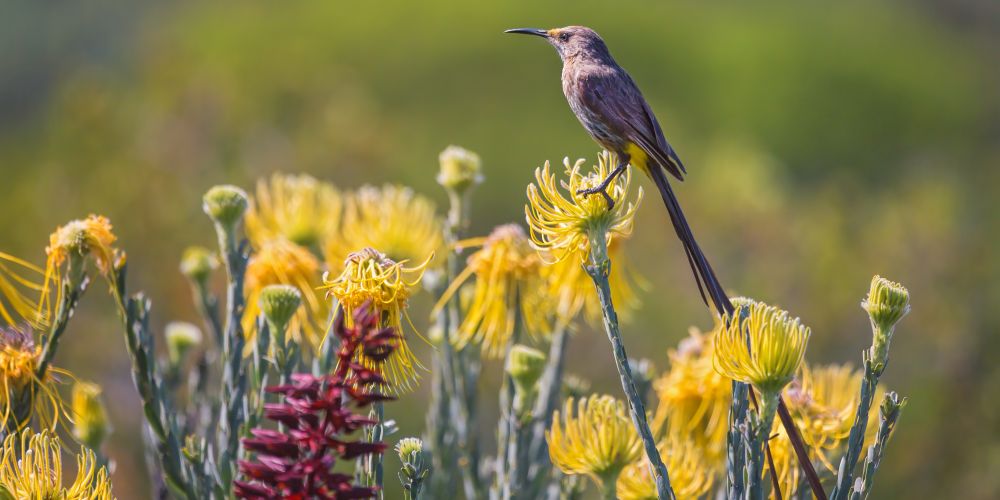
<point x="564" y="37"/>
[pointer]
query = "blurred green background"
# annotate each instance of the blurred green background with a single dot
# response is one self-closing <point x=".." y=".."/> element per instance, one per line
<point x="826" y="142"/>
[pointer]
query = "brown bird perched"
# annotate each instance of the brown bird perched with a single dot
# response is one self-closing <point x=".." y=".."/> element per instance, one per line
<point x="610" y="106"/>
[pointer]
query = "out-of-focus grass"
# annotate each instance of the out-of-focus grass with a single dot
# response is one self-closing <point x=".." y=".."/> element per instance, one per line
<point x="825" y="144"/>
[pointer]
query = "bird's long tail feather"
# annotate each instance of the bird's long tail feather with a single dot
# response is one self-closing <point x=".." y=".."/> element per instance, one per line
<point x="708" y="283"/>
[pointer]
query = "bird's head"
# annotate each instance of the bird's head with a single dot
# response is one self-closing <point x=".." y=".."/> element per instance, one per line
<point x="571" y="41"/>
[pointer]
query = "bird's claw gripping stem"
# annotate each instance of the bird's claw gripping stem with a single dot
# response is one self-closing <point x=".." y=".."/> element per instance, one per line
<point x="599" y="189"/>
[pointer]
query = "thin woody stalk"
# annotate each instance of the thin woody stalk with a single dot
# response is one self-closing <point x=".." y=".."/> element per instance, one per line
<point x="598" y="268"/>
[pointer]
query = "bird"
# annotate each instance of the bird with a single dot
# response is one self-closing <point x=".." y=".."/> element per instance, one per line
<point x="610" y="106"/>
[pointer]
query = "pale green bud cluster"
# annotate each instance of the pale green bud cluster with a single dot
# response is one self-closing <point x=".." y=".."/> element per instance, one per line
<point x="886" y="304"/>
<point x="198" y="263"/>
<point x="181" y="338"/>
<point x="416" y="464"/>
<point x="525" y="366"/>
<point x="460" y="169"/>
<point x="226" y="205"/>
<point x="279" y="304"/>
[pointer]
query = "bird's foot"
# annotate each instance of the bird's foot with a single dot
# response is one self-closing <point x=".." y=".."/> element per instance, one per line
<point x="599" y="189"/>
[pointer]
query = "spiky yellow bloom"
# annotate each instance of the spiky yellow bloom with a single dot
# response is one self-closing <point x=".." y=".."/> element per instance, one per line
<point x="90" y="420"/>
<point x="598" y="439"/>
<point x="562" y="223"/>
<point x="369" y="276"/>
<point x="777" y="345"/>
<point x="31" y="469"/>
<point x="281" y="262"/>
<point x="297" y="208"/>
<point x="17" y="287"/>
<point x="82" y="237"/>
<point x="822" y="401"/>
<point x="694" y="398"/>
<point x="398" y="222"/>
<point x="508" y="286"/>
<point x="573" y="290"/>
<point x="691" y="473"/>
<point x="23" y="394"/>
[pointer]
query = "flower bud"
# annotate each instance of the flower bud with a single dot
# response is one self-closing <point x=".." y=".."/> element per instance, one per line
<point x="891" y="405"/>
<point x="525" y="366"/>
<point x="460" y="169"/>
<point x="197" y="264"/>
<point x="416" y="464"/>
<point x="90" y="424"/>
<point x="225" y="205"/>
<point x="181" y="337"/>
<point x="279" y="304"/>
<point x="194" y="448"/>
<point x="886" y="304"/>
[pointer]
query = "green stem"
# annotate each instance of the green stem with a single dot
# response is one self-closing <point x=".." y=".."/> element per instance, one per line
<point x="855" y="440"/>
<point x="599" y="268"/>
<point x="768" y="408"/>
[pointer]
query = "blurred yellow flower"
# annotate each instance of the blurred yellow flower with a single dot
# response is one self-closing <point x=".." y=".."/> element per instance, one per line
<point x="398" y="222"/>
<point x="508" y="286"/>
<point x="777" y="345"/>
<point x="15" y="288"/>
<point x="370" y="276"/>
<point x="78" y="238"/>
<point x="691" y="473"/>
<point x="693" y="398"/>
<point x="31" y="468"/>
<point x="598" y="439"/>
<point x="90" y="420"/>
<point x="281" y="262"/>
<point x="297" y="208"/>
<point x="573" y="290"/>
<point x="23" y="394"/>
<point x="562" y="224"/>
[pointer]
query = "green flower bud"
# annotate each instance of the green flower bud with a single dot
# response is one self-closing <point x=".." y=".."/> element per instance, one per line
<point x="197" y="264"/>
<point x="279" y="304"/>
<point x="416" y="464"/>
<point x="891" y="405"/>
<point x="460" y="169"/>
<point x="194" y="448"/>
<point x="181" y="337"/>
<point x="886" y="304"/>
<point x="225" y="205"/>
<point x="90" y="425"/>
<point x="525" y="366"/>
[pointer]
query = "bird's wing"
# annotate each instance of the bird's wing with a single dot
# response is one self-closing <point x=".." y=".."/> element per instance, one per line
<point x="616" y="98"/>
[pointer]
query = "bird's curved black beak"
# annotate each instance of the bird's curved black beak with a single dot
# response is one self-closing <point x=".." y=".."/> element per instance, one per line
<point x="529" y="31"/>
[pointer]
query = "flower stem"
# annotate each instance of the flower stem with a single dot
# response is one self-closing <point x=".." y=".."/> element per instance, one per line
<point x="856" y="439"/>
<point x="599" y="268"/>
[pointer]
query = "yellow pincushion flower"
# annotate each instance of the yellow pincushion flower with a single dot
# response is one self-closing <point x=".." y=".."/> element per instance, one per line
<point x="23" y="394"/>
<point x="508" y="286"/>
<point x="398" y="222"/>
<point x="694" y="398"/>
<point x="78" y="238"/>
<point x="777" y="345"/>
<point x="281" y="262"/>
<point x="371" y="277"/>
<point x="573" y="290"/>
<point x="15" y="288"/>
<point x="297" y="208"/>
<point x="562" y="224"/>
<point x="691" y="473"/>
<point x="597" y="439"/>
<point x="31" y="469"/>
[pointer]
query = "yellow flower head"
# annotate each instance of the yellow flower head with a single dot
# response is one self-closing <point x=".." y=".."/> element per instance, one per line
<point x="281" y="262"/>
<point x="562" y="223"/>
<point x="777" y="345"/>
<point x="694" y="398"/>
<point x="508" y="285"/>
<point x="23" y="394"/>
<point x="398" y="222"/>
<point x="297" y="208"/>
<point x="31" y="469"/>
<point x="573" y="291"/>
<point x="598" y="440"/>
<point x="17" y="285"/>
<point x="691" y="473"/>
<point x="370" y="276"/>
<point x="90" y="425"/>
<point x="79" y="238"/>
